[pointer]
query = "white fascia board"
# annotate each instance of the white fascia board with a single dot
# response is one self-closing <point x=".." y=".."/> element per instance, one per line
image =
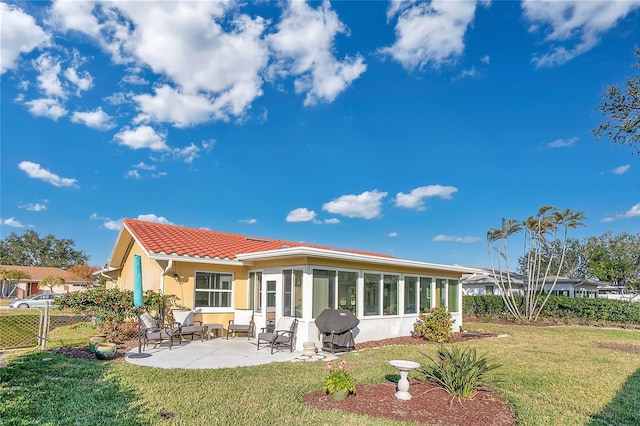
<point x="192" y="259"/>
<point x="342" y="255"/>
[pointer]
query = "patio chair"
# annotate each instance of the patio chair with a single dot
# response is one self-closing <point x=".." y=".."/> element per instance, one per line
<point x="242" y="322"/>
<point x="187" y="326"/>
<point x="284" y="336"/>
<point x="152" y="332"/>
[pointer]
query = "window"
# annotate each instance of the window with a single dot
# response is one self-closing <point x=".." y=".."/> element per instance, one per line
<point x="213" y="290"/>
<point x="425" y="293"/>
<point x="255" y="291"/>
<point x="372" y="294"/>
<point x="441" y="292"/>
<point x="292" y="288"/>
<point x="488" y="290"/>
<point x="324" y="293"/>
<point x="347" y="291"/>
<point x="452" y="292"/>
<point x="410" y="294"/>
<point x="390" y="295"/>
<point x="271" y="296"/>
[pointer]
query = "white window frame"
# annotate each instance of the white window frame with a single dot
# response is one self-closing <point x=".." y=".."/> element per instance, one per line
<point x="212" y="309"/>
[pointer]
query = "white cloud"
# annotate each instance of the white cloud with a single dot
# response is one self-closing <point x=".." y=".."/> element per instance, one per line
<point x="133" y="174"/>
<point x="134" y="79"/>
<point x="142" y="137"/>
<point x="415" y="199"/>
<point x="575" y="25"/>
<point x="486" y="59"/>
<point x="12" y="223"/>
<point x="563" y="143"/>
<point x="331" y="221"/>
<point x="465" y="73"/>
<point x="48" y="81"/>
<point x="250" y="221"/>
<point x="113" y="225"/>
<point x="143" y="166"/>
<point x="33" y="170"/>
<point x="455" y="239"/>
<point x="621" y="169"/>
<point x="429" y="32"/>
<point x="392" y="234"/>
<point x="303" y="47"/>
<point x="634" y="211"/>
<point x="19" y="33"/>
<point x="45" y="107"/>
<point x="301" y="214"/>
<point x="82" y="81"/>
<point x="367" y="205"/>
<point x="153" y="218"/>
<point x="33" y="207"/>
<point x="97" y="119"/>
<point x="117" y="98"/>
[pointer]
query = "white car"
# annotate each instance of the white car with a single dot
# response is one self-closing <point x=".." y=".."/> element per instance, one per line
<point x="35" y="301"/>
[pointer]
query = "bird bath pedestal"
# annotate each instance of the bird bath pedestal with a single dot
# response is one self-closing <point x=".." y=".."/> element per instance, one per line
<point x="403" y="384"/>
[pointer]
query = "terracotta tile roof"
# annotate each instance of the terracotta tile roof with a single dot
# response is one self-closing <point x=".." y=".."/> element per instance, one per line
<point x="182" y="241"/>
<point x="37" y="273"/>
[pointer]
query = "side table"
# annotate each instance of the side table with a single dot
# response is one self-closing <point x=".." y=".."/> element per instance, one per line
<point x="219" y="329"/>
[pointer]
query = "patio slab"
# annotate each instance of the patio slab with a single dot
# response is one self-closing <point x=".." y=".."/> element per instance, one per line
<point x="214" y="353"/>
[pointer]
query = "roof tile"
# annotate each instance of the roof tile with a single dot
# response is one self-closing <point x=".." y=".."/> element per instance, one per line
<point x="182" y="241"/>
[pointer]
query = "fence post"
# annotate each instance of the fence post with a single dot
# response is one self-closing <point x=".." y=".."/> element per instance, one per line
<point x="45" y="328"/>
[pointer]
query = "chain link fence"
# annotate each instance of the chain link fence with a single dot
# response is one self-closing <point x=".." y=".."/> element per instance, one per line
<point x="32" y="327"/>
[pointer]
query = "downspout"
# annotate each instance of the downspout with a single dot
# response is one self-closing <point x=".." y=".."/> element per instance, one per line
<point x="165" y="271"/>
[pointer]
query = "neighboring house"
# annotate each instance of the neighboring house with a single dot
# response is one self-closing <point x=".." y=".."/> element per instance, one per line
<point x="30" y="286"/>
<point x="483" y="282"/>
<point x="214" y="272"/>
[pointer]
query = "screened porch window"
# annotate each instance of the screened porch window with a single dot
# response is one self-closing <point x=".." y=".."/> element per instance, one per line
<point x="372" y="294"/>
<point x="255" y="291"/>
<point x="390" y="295"/>
<point x="347" y="291"/>
<point x="292" y="297"/>
<point x="410" y="294"/>
<point x="324" y="293"/>
<point x="213" y="290"/>
<point x="425" y="293"/>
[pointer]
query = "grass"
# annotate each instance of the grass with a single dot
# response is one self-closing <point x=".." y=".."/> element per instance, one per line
<point x="549" y="375"/>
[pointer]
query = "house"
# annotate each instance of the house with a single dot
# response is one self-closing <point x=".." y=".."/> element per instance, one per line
<point x="214" y="272"/>
<point x="483" y="282"/>
<point x="30" y="286"/>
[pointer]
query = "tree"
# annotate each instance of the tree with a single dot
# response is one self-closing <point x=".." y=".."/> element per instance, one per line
<point x="29" y="249"/>
<point x="11" y="277"/>
<point x="50" y="281"/>
<point x="622" y="112"/>
<point x="84" y="273"/>
<point x="614" y="258"/>
<point x="575" y="260"/>
<point x="550" y="226"/>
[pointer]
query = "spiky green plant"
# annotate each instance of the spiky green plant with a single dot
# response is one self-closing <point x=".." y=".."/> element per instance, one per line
<point x="460" y="372"/>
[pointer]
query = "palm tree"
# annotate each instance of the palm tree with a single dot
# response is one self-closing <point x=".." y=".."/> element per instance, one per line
<point x="15" y="276"/>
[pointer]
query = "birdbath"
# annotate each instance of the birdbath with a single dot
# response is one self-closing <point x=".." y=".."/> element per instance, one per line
<point x="403" y="384"/>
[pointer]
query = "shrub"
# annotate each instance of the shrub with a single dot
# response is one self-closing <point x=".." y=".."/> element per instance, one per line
<point x="113" y="309"/>
<point x="435" y="325"/>
<point x="460" y="372"/>
<point x="339" y="378"/>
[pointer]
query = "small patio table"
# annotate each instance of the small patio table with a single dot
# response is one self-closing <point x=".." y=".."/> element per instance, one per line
<point x="219" y="329"/>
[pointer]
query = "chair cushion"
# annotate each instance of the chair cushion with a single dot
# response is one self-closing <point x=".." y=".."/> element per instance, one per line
<point x="243" y="316"/>
<point x="284" y="323"/>
<point x="148" y="320"/>
<point x="184" y="318"/>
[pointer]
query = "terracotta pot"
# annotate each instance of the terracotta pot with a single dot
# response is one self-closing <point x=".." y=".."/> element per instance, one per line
<point x="106" y="351"/>
<point x="339" y="395"/>
<point x="94" y="340"/>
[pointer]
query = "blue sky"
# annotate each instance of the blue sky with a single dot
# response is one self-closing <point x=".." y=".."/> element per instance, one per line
<point x="407" y="128"/>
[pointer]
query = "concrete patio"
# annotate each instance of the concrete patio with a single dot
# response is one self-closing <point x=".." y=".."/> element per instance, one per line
<point x="216" y="353"/>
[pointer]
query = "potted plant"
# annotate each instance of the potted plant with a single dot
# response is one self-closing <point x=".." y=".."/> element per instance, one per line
<point x="339" y="381"/>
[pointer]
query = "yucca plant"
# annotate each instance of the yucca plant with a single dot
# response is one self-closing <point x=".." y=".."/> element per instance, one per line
<point x="460" y="372"/>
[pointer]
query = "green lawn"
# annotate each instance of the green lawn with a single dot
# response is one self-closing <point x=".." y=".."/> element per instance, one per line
<point x="551" y="376"/>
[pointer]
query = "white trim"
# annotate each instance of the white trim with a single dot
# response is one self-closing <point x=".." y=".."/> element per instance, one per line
<point x="185" y="258"/>
<point x="356" y="257"/>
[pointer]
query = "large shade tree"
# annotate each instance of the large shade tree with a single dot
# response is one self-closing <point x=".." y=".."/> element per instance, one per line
<point x="29" y="249"/>
<point x="614" y="258"/>
<point x="548" y="227"/>
<point x="621" y="111"/>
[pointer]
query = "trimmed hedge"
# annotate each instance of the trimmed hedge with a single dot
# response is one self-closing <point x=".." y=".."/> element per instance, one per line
<point x="559" y="308"/>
